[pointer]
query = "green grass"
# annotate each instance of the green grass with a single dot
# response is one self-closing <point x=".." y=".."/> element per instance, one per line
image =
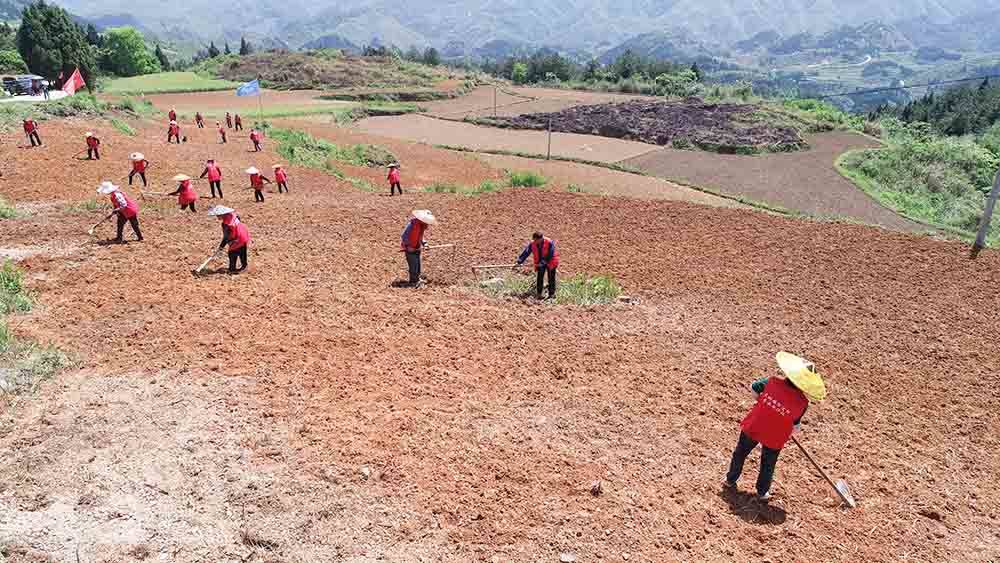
<point x="362" y="184"/>
<point x="303" y="149"/>
<point x="85" y="207"/>
<point x="167" y="83"/>
<point x="12" y="114"/>
<point x="527" y="179"/>
<point x="484" y="187"/>
<point x="580" y="289"/>
<point x="342" y="114"/>
<point x="122" y="127"/>
<point x="14" y="297"/>
<point x="140" y="108"/>
<point x="7" y="210"/>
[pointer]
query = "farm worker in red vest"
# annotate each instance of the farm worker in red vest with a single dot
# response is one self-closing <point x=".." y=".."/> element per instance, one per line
<point x="222" y="132"/>
<point x="257" y="183"/>
<point x="214" y="174"/>
<point x="31" y="131"/>
<point x="139" y="165"/>
<point x="93" y="147"/>
<point x="281" y="178"/>
<point x="546" y="258"/>
<point x="235" y="234"/>
<point x="413" y="242"/>
<point x="394" y="180"/>
<point x="172" y="115"/>
<point x="199" y="120"/>
<point x="239" y="122"/>
<point x="123" y="206"/>
<point x="229" y="121"/>
<point x="174" y="132"/>
<point x="186" y="196"/>
<point x="781" y="402"/>
<point x="255" y="139"/>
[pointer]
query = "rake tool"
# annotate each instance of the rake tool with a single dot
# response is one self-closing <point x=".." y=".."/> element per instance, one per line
<point x="843" y="491"/>
<point x="207" y="260"/>
<point x="98" y="224"/>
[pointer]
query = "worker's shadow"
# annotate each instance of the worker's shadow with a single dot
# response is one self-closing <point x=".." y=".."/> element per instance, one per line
<point x="211" y="272"/>
<point x="746" y="506"/>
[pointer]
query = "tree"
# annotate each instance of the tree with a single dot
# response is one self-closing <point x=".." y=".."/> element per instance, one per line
<point x="162" y="57"/>
<point x="628" y="64"/>
<point x="519" y="73"/>
<point x="93" y="37"/>
<point x="698" y="74"/>
<point x="432" y="57"/>
<point x="8" y="37"/>
<point x="11" y="61"/>
<point x="51" y="44"/>
<point x="245" y="48"/>
<point x="413" y="54"/>
<point x="213" y="51"/>
<point x="127" y="54"/>
<point x="226" y="49"/>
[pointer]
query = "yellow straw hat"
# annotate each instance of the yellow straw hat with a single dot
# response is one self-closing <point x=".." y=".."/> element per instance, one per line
<point x="181" y="177"/>
<point x="803" y="374"/>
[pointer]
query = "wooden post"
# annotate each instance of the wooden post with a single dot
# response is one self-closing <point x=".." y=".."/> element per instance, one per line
<point x="548" y="154"/>
<point x="984" y="225"/>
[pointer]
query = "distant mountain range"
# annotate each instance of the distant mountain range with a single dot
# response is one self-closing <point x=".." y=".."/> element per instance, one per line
<point x="594" y="26"/>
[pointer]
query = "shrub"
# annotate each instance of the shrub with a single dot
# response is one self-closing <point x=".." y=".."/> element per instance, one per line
<point x="527" y="180"/>
<point x="7" y="210"/>
<point x="14" y="297"/>
<point x="123" y="127"/>
<point x="991" y="139"/>
<point x="484" y="187"/>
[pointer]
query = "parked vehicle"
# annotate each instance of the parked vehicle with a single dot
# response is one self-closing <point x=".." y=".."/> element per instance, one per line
<point x="30" y="84"/>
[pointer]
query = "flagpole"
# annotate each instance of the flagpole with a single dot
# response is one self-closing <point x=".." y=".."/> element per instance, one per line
<point x="260" y="105"/>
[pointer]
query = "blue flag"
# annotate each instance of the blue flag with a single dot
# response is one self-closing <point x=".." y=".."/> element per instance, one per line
<point x="251" y="88"/>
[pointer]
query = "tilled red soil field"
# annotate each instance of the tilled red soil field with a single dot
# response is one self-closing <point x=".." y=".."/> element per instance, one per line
<point x="516" y="101"/>
<point x="306" y="411"/>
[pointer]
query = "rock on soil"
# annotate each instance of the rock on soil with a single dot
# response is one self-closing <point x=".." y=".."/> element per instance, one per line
<point x="728" y="128"/>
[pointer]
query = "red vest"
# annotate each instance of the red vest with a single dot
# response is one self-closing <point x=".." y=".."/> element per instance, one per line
<point x="394" y="176"/>
<point x="537" y="253"/>
<point x="280" y="176"/>
<point x="214" y="174"/>
<point x="237" y="232"/>
<point x="413" y="235"/>
<point x="93" y="142"/>
<point x="139" y="165"/>
<point x="187" y="195"/>
<point x="772" y="419"/>
<point x="239" y="120"/>
<point x="29" y="125"/>
<point x="255" y="136"/>
<point x="175" y="130"/>
<point x="257" y="182"/>
<point x="124" y="204"/>
<point x="172" y="115"/>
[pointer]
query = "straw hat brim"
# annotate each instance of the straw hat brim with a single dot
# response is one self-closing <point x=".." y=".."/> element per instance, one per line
<point x="181" y="177"/>
<point x="107" y="188"/>
<point x="136" y="156"/>
<point x="252" y="170"/>
<point x="425" y="216"/>
<point x="801" y="373"/>
<point x="276" y="166"/>
<point x="219" y="210"/>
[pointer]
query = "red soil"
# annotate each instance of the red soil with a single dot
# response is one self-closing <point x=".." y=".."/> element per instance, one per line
<point x="306" y="411"/>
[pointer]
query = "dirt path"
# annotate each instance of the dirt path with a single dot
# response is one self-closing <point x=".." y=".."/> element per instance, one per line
<point x="806" y="182"/>
<point x="595" y="180"/>
<point x="306" y="411"/>
<point x="440" y="132"/>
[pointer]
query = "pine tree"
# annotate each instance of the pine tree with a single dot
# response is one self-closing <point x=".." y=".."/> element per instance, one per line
<point x="245" y="48"/>
<point x="93" y="37"/>
<point x="699" y="75"/>
<point x="226" y="50"/>
<point x="213" y="51"/>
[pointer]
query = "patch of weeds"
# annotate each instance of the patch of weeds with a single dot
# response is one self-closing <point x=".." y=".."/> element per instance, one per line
<point x="527" y="180"/>
<point x="301" y="148"/>
<point x="86" y="207"/>
<point x="362" y="184"/>
<point x="7" y="210"/>
<point x="484" y="187"/>
<point x="122" y="127"/>
<point x="141" y="108"/>
<point x="577" y="189"/>
<point x="580" y="289"/>
<point x="14" y="297"/>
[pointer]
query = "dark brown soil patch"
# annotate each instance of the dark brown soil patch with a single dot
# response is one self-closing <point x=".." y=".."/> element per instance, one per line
<point x="725" y="128"/>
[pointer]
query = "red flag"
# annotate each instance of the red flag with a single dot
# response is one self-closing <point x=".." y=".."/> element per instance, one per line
<point x="74" y="83"/>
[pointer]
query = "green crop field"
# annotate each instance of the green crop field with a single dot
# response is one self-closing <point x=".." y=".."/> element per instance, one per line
<point x="166" y="83"/>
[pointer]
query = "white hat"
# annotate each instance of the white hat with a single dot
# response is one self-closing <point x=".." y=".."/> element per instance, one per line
<point x="181" y="177"/>
<point x="106" y="187"/>
<point x="424" y="216"/>
<point x="136" y="156"/>
<point x="220" y="210"/>
<point x="394" y="165"/>
<point x="172" y="122"/>
<point x="89" y="134"/>
<point x="253" y="170"/>
<point x="276" y="166"/>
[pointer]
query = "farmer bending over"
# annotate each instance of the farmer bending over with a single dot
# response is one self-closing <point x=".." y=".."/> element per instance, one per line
<point x="139" y="165"/>
<point x="781" y="403"/>
<point x="123" y="206"/>
<point x="235" y="234"/>
<point x="93" y="147"/>
<point x="413" y="242"/>
<point x="186" y="196"/>
<point x="546" y="258"/>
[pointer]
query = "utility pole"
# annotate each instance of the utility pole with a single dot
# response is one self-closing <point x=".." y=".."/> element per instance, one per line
<point x="548" y="155"/>
<point x="984" y="225"/>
